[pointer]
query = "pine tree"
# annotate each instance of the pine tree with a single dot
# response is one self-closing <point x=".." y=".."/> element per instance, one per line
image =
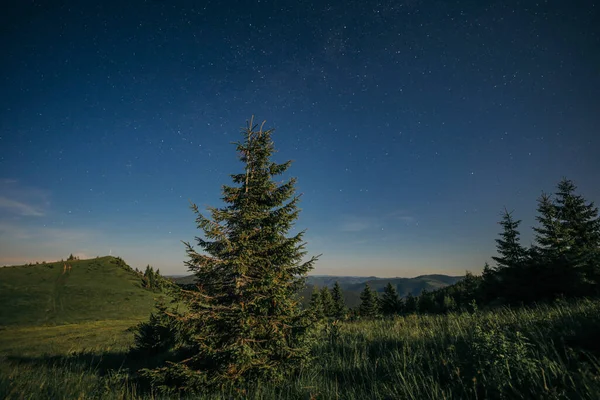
<point x="339" y="306"/>
<point x="245" y="318"/>
<point x="368" y="307"/>
<point x="552" y="241"/>
<point x="568" y="240"/>
<point x="470" y="288"/>
<point x="316" y="305"/>
<point x="448" y="304"/>
<point x="581" y="226"/>
<point x="327" y="302"/>
<point x="390" y="302"/>
<point x="410" y="304"/>
<point x="490" y="284"/>
<point x="149" y="278"/>
<point x="426" y="303"/>
<point x="512" y="254"/>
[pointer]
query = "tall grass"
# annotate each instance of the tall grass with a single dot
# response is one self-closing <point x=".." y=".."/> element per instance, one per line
<point x="543" y="352"/>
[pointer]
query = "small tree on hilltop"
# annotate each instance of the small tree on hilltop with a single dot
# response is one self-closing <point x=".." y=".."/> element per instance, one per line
<point x="149" y="277"/>
<point x="245" y="320"/>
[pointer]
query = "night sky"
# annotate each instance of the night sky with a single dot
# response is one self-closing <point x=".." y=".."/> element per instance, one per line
<point x="411" y="124"/>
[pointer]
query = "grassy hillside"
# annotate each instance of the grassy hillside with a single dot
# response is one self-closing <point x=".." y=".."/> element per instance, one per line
<point x="86" y="290"/>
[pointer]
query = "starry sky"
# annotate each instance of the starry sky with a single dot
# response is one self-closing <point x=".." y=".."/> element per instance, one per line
<point x="411" y="123"/>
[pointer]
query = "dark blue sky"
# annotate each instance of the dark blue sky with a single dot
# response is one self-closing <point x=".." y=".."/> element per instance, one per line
<point x="411" y="123"/>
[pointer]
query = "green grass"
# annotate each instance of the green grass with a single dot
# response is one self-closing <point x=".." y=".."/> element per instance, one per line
<point x="545" y="352"/>
<point x="95" y="337"/>
<point x="91" y="290"/>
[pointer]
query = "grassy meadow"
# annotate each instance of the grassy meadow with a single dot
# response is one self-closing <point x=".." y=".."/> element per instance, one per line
<point x="543" y="352"/>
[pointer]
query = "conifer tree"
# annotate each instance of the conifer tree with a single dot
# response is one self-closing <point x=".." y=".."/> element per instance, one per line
<point x="410" y="304"/>
<point x="581" y="227"/>
<point x="426" y="303"/>
<point x="149" y="277"/>
<point x="512" y="254"/>
<point x="567" y="242"/>
<point x="369" y="303"/>
<point x="469" y="289"/>
<point x="316" y="305"/>
<point x="552" y="241"/>
<point x="339" y="306"/>
<point x="327" y="302"/>
<point x="448" y="304"/>
<point x="390" y="302"/>
<point x="490" y="284"/>
<point x="245" y="320"/>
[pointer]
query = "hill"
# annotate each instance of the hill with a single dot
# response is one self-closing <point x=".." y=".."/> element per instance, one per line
<point x="71" y="292"/>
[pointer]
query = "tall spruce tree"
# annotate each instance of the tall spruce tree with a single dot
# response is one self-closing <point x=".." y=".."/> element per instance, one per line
<point x="581" y="226"/>
<point x="567" y="242"/>
<point x="390" y="302"/>
<point x="369" y="303"/>
<point x="511" y="253"/>
<point x="245" y="321"/>
<point x="339" y="306"/>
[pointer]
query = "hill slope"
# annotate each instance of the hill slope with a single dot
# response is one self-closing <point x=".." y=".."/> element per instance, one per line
<point x="90" y="290"/>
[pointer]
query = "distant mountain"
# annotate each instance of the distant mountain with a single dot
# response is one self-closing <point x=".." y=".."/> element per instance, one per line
<point x="182" y="279"/>
<point x="353" y="285"/>
<point x="329" y="281"/>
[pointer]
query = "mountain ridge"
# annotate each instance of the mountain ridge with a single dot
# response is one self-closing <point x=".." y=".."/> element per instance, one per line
<point x="353" y="285"/>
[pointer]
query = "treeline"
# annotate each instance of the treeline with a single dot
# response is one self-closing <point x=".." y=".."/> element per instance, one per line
<point x="153" y="280"/>
<point x="563" y="262"/>
<point x="329" y="304"/>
